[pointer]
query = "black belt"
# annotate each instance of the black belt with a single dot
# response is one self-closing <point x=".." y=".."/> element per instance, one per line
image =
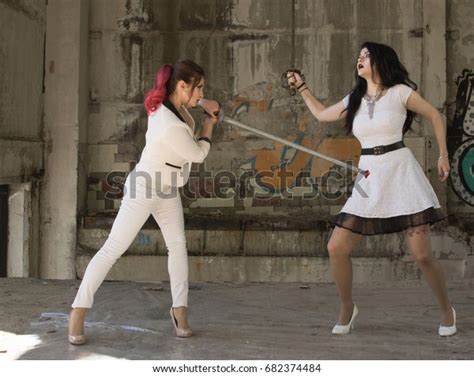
<point x="382" y="149"/>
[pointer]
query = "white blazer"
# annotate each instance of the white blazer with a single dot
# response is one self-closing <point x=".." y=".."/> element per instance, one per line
<point x="170" y="148"/>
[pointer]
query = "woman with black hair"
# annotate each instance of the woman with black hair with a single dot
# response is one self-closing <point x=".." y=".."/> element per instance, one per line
<point x="152" y="189"/>
<point x="396" y="196"/>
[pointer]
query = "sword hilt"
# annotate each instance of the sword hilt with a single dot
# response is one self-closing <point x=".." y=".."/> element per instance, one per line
<point x="284" y="80"/>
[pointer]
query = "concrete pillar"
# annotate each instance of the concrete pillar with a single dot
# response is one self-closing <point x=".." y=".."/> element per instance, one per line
<point x="18" y="230"/>
<point x="65" y="108"/>
<point x="433" y="84"/>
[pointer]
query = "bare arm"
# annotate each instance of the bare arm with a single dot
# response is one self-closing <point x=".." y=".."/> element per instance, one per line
<point x="417" y="104"/>
<point x="320" y="112"/>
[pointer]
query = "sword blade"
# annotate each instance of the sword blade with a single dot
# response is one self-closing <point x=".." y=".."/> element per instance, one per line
<point x="293" y="145"/>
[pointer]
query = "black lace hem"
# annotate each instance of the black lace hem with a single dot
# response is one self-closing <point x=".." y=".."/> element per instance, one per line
<point x="377" y="226"/>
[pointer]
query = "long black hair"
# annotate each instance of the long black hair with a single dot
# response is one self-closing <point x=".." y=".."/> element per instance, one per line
<point x="391" y="72"/>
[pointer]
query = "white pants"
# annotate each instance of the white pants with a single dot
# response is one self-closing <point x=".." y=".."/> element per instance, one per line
<point x="137" y="205"/>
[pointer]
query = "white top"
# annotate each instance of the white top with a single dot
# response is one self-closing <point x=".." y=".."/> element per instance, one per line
<point x="170" y="148"/>
<point x="386" y="126"/>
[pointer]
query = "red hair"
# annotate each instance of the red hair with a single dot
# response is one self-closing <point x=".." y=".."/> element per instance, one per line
<point x="155" y="97"/>
<point x="166" y="80"/>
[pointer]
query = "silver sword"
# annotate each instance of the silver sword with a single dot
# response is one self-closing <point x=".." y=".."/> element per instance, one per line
<point x="226" y="119"/>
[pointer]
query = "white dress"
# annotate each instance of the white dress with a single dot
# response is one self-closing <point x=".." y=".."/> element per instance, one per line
<point x="396" y="195"/>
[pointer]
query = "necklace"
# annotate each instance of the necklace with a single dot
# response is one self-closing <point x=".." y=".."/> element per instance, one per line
<point x="371" y="99"/>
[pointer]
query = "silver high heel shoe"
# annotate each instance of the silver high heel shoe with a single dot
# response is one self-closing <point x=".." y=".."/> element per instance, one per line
<point x="346" y="329"/>
<point x="180" y="333"/>
<point x="446" y="331"/>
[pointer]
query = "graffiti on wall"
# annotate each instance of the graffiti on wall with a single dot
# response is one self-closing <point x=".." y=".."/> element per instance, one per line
<point x="265" y="173"/>
<point x="461" y="139"/>
<point x="298" y="168"/>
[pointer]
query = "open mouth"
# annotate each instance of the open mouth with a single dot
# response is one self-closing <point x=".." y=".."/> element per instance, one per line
<point x="360" y="66"/>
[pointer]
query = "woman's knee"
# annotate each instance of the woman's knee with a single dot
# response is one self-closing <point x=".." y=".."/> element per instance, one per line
<point x="177" y="248"/>
<point x="342" y="242"/>
<point x="337" y="249"/>
<point x="423" y="258"/>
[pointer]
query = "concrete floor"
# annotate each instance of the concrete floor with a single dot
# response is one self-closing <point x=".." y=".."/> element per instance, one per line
<point x="233" y="321"/>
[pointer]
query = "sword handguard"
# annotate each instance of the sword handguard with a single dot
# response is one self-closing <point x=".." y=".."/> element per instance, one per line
<point x="284" y="80"/>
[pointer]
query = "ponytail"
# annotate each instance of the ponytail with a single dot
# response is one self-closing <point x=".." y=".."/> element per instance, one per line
<point x="156" y="96"/>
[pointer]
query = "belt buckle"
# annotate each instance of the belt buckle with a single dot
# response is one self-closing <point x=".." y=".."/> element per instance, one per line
<point x="378" y="150"/>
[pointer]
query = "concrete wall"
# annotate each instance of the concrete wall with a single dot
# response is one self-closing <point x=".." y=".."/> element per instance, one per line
<point x="245" y="45"/>
<point x="22" y="35"/>
<point x="460" y="109"/>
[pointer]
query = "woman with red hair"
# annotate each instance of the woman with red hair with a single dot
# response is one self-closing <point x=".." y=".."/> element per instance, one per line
<point x="152" y="188"/>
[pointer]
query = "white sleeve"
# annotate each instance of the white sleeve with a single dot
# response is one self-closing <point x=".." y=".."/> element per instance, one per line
<point x="404" y="92"/>
<point x="345" y="100"/>
<point x="183" y="144"/>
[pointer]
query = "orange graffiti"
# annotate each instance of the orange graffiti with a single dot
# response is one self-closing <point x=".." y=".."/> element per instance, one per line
<point x="283" y="160"/>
